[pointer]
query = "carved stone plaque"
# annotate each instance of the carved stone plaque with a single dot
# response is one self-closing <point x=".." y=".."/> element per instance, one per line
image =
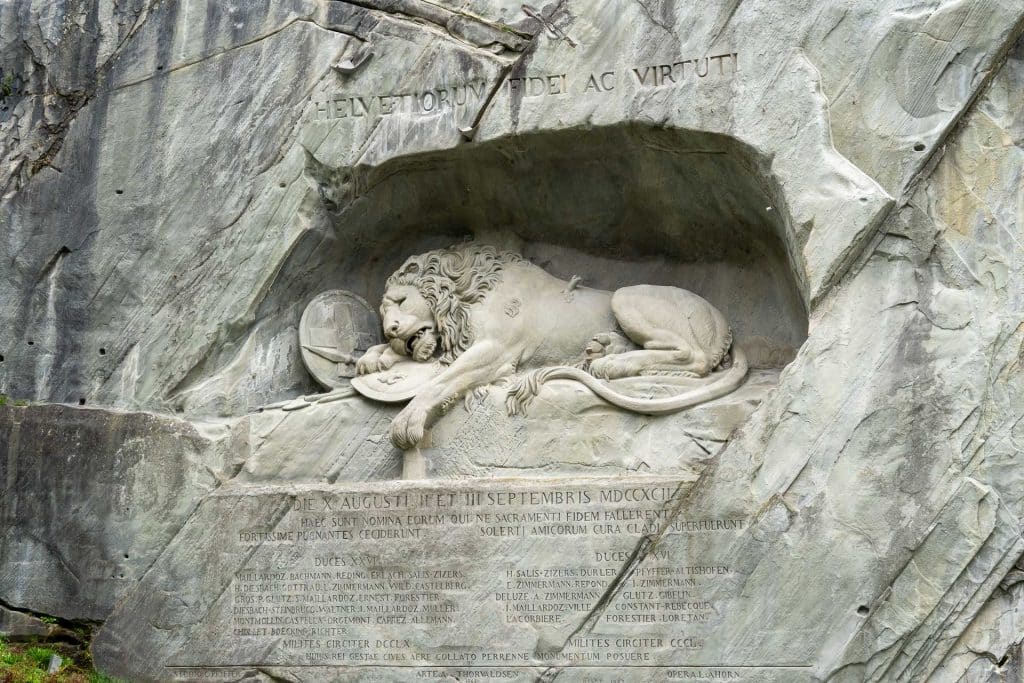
<point x="601" y="579"/>
<point x="336" y="328"/>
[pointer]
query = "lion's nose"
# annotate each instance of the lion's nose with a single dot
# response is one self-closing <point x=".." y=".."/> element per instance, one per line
<point x="392" y="329"/>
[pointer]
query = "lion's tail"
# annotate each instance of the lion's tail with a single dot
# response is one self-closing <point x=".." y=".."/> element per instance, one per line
<point x="526" y="388"/>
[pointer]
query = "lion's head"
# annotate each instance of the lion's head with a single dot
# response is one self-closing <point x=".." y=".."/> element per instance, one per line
<point x="427" y="301"/>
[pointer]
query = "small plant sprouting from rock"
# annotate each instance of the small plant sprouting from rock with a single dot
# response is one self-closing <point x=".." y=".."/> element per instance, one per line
<point x="7" y="85"/>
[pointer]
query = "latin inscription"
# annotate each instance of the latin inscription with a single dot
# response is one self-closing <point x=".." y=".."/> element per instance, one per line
<point x="448" y="98"/>
<point x="346" y="579"/>
<point x="420" y="103"/>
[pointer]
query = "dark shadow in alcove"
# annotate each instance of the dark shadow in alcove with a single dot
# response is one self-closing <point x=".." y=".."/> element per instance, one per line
<point x="616" y="206"/>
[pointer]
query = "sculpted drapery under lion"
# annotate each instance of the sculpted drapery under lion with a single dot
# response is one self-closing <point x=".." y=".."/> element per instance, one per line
<point x="486" y="315"/>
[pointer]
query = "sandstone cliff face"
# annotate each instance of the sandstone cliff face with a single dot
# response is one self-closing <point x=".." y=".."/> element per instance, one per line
<point x="179" y="178"/>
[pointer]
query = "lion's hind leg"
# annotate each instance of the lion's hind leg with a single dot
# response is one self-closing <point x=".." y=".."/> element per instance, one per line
<point x="678" y="361"/>
<point x="655" y="319"/>
<point x="682" y="360"/>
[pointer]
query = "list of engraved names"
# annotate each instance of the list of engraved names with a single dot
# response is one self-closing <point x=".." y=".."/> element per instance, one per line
<point x="345" y="578"/>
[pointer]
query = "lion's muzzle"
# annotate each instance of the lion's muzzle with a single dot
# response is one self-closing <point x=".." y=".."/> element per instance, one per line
<point x="419" y="345"/>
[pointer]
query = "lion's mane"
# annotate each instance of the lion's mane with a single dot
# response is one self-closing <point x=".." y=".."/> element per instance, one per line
<point x="452" y="281"/>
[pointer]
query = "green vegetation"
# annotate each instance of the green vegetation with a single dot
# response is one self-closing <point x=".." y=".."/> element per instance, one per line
<point x="20" y="666"/>
<point x="16" y="402"/>
<point x="7" y="85"/>
<point x="28" y="662"/>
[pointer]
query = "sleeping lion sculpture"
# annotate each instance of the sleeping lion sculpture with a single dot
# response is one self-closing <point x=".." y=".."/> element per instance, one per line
<point x="490" y="314"/>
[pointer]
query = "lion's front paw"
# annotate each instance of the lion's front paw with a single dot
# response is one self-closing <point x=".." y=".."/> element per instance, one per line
<point x="408" y="427"/>
<point x="376" y="359"/>
<point x="385" y="361"/>
<point x="368" y="362"/>
<point x="613" y="367"/>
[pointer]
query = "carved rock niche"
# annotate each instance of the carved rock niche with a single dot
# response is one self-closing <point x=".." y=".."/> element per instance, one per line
<point x="612" y="207"/>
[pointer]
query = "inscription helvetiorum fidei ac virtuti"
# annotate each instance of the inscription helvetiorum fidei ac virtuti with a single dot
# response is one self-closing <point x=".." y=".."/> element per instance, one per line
<point x="579" y="341"/>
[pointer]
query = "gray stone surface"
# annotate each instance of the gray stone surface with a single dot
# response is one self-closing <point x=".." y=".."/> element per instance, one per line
<point x="90" y="498"/>
<point x="15" y="625"/>
<point x="567" y="431"/>
<point x="842" y="180"/>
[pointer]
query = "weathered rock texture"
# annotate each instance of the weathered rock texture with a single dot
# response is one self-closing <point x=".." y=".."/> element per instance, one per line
<point x="91" y="497"/>
<point x="842" y="180"/>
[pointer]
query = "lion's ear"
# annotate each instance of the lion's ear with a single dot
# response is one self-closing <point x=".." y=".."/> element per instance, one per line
<point x="411" y="269"/>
